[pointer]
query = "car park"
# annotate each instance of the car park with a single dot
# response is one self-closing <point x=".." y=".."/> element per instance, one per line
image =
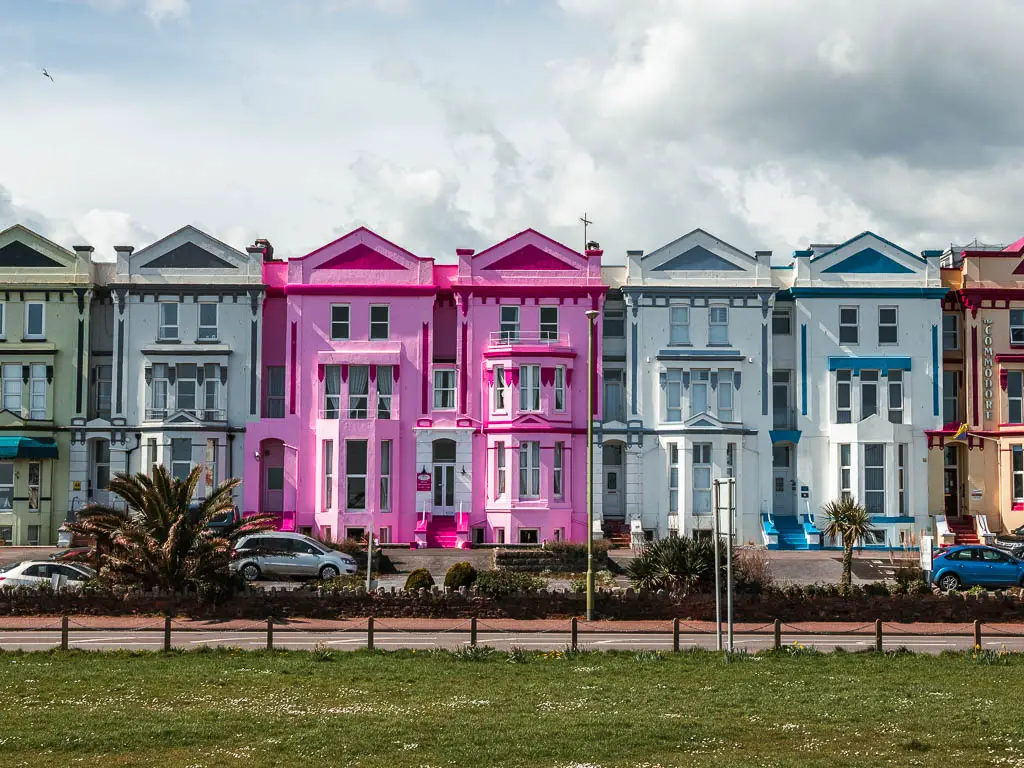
<point x="37" y="573"/>
<point x="970" y="566"/>
<point x="288" y="555"/>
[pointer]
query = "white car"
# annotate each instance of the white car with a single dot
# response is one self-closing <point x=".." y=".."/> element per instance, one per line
<point x="36" y="573"/>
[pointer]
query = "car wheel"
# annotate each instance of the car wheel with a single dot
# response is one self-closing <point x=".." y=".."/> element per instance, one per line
<point x="949" y="582"/>
<point x="329" y="572"/>
<point x="251" y="572"/>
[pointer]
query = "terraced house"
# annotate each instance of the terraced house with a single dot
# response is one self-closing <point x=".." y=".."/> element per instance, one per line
<point x="45" y="295"/>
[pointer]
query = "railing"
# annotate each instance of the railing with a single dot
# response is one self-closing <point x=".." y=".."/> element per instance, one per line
<point x="505" y="338"/>
<point x="203" y="414"/>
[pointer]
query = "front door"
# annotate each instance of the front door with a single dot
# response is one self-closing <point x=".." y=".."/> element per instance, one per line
<point x="783" y="486"/>
<point x="951" y="481"/>
<point x="444" y="489"/>
<point x="614" y="506"/>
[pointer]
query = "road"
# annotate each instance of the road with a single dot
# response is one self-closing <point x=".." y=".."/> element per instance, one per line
<point x="352" y="640"/>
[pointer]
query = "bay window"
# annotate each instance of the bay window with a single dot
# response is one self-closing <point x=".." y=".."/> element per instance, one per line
<point x="358" y="391"/>
<point x="529" y="387"/>
<point x="12" y="388"/>
<point x="725" y="395"/>
<point x="895" y="397"/>
<point x="385" y="475"/>
<point x="499" y="388"/>
<point x="529" y="470"/>
<point x="560" y="388"/>
<point x="700" y="381"/>
<point x="674" y="395"/>
<point x="844" y="397"/>
<point x="332" y="391"/>
<point x="868" y="394"/>
<point x="385" y="388"/>
<point x="355" y="474"/>
<point x="874" y="478"/>
<point x="37" y="391"/>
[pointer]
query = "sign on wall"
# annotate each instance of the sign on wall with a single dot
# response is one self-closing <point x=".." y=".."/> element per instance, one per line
<point x="926" y="553"/>
<point x="423" y="481"/>
<point x="987" y="356"/>
<point x="976" y="494"/>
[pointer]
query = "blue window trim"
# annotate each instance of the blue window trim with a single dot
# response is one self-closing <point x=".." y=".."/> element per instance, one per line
<point x="803" y="369"/>
<point x="935" y="370"/>
<point x="858" y="364"/>
<point x="821" y="292"/>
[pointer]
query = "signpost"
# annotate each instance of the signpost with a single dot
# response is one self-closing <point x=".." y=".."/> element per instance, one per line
<point x="725" y="509"/>
<point x="926" y="556"/>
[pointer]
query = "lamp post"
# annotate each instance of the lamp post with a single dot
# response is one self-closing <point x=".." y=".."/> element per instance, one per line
<point x="591" y="314"/>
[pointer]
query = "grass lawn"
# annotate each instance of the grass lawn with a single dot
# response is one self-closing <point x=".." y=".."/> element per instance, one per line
<point x="406" y="710"/>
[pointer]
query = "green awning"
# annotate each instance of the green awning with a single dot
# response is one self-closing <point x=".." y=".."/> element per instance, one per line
<point x="13" y="447"/>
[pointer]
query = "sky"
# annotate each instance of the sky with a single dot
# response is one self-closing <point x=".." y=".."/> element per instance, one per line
<point x="444" y="124"/>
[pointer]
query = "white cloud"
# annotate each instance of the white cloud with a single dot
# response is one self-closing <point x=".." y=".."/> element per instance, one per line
<point x="159" y="11"/>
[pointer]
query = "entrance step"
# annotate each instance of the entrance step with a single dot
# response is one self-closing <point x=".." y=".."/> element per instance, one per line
<point x="963" y="529"/>
<point x="791" y="532"/>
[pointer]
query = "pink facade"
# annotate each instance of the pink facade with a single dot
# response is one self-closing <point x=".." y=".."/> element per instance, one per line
<point x="437" y="405"/>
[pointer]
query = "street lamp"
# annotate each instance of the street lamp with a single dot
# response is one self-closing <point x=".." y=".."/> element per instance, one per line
<point x="591" y="314"/>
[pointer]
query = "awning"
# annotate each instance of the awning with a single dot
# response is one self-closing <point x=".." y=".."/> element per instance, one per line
<point x="14" y="447"/>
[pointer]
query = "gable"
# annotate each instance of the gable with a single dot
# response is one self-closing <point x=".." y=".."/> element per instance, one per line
<point x="18" y="254"/>
<point x="530" y="257"/>
<point x="697" y="258"/>
<point x="361" y="256"/>
<point x="869" y="261"/>
<point x="188" y="256"/>
<point x="1020" y="269"/>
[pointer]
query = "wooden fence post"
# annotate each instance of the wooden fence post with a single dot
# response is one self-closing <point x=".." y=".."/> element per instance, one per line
<point x="472" y="631"/>
<point x="574" y="632"/>
<point x="167" y="634"/>
<point x="778" y="634"/>
<point x="977" y="633"/>
<point x="63" y="633"/>
<point x="369" y="634"/>
<point x="675" y="635"/>
<point x="270" y="634"/>
<point x="878" y="635"/>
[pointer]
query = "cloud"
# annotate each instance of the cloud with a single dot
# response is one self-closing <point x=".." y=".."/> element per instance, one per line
<point x="159" y="11"/>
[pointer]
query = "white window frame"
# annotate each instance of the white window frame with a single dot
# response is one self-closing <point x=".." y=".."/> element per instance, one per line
<point x="700" y="378"/>
<point x="548" y="329"/>
<point x="851" y="327"/>
<point x="341" y="328"/>
<point x="499" y="469"/>
<point x="212" y="470"/>
<point x="894" y="385"/>
<point x="845" y="471"/>
<point x="181" y="385"/>
<point x="559" y="388"/>
<point x="1017" y="472"/>
<point x="1015" y="397"/>
<point x="37" y="391"/>
<point x="13" y="390"/>
<point x="951" y="396"/>
<point x="151" y="454"/>
<point x="331" y="402"/>
<point x="168" y="331"/>
<point x="377" y="325"/>
<point x="673" y="478"/>
<point x="384" y="399"/>
<point x="701" y="468"/>
<point x="176" y="462"/>
<point x="674" y="395"/>
<point x="386" y="468"/>
<point x="1017" y="327"/>
<point x="327" y="472"/>
<point x="444" y="388"/>
<point x="730" y="459"/>
<point x="358" y="402"/>
<point x="886" y="326"/>
<point x="785" y="314"/>
<point x="500" y="390"/>
<point x="208" y="332"/>
<point x="726" y="411"/>
<point x="99" y="462"/>
<point x="529" y="388"/>
<point x="508" y="322"/>
<point x="558" y="472"/>
<point x="870" y="494"/>
<point x="104" y="397"/>
<point x="41" y="333"/>
<point x="3" y="321"/>
<point x="211" y="392"/>
<point x="160" y="391"/>
<point x="844" y="386"/>
<point x="529" y="469"/>
<point x="952" y="333"/>
<point x="718" y="325"/>
<point x="678" y="326"/>
<point x="35" y="484"/>
<point x="271" y="410"/>
<point x="350" y="475"/>
<point x="902" y="449"/>
<point x="7" y="486"/>
<point x="866" y="386"/>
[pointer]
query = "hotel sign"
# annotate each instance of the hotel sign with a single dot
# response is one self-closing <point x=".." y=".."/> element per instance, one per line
<point x="987" y="358"/>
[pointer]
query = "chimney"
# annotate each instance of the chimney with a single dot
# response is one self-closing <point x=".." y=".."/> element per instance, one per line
<point x="125" y="249"/>
<point x="85" y="251"/>
<point x="763" y="257"/>
<point x="263" y="247"/>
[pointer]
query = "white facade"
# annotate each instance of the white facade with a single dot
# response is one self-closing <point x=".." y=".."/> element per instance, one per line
<point x="177" y="336"/>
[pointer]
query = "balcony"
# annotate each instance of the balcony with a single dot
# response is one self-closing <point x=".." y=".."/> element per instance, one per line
<point x="206" y="414"/>
<point x="528" y="338"/>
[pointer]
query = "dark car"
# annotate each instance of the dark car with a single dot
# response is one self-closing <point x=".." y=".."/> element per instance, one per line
<point x="1012" y="542"/>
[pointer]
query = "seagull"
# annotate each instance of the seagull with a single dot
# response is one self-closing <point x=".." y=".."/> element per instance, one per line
<point x="47" y="74"/>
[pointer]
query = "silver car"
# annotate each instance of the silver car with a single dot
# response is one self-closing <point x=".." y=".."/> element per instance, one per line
<point x="288" y="555"/>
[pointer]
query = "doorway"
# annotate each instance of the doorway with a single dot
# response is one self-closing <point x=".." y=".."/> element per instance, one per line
<point x="613" y="461"/>
<point x="783" y="482"/>
<point x="444" y="476"/>
<point x="951" y="480"/>
<point x="272" y="462"/>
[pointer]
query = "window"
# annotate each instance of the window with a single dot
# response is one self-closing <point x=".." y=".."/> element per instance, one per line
<point x="699" y="392"/>
<point x="614" y="395"/>
<point x="35" y="476"/>
<point x="33" y="535"/>
<point x="385" y="388"/>
<point x="499" y="535"/>
<point x="499" y="467"/>
<point x="781" y="411"/>
<point x="895" y="396"/>
<point x="888" y="332"/>
<point x="384" y="534"/>
<point x="12" y="388"/>
<point x="181" y="457"/>
<point x="558" y="489"/>
<point x="844" y="397"/>
<point x="358" y="391"/>
<point x="549" y="323"/>
<point x="499" y="388"/>
<point x="6" y="534"/>
<point x="151" y="457"/>
<point x="211" y="391"/>
<point x="951" y="397"/>
<point x="37" y="391"/>
<point x="332" y="391"/>
<point x="274" y="408"/>
<point x="782" y="456"/>
<point x="679" y="325"/>
<point x="186" y="386"/>
<point x="380" y="321"/>
<point x="614" y="323"/>
<point x="725" y="395"/>
<point x="328" y="474"/>
<point x="950" y="332"/>
<point x="718" y="326"/>
<point x="529" y="536"/>
<point x="207" y="321"/>
<point x="35" y="320"/>
<point x="509" y="323"/>
<point x="385" y="475"/>
<point x="355" y="474"/>
<point x="327" y="533"/>
<point x="901" y="472"/>
<point x="874" y="478"/>
<point x="1017" y="326"/>
<point x="560" y="388"/>
<point x="161" y="388"/>
<point x="782" y="322"/>
<point x="101" y="460"/>
<point x="168" y="321"/>
<point x="868" y="394"/>
<point x="444" y="389"/>
<point x="673" y="395"/>
<point x="673" y="478"/>
<point x="1015" y="397"/>
<point x="529" y="470"/>
<point x="702" y="478"/>
<point x="103" y="374"/>
<point x="849" y="325"/>
<point x="6" y="486"/>
<point x="1018" y="473"/>
<point x="3" y="320"/>
<point x="340" y="318"/>
<point x="211" y="463"/>
<point x="730" y="460"/>
<point x="529" y="387"/>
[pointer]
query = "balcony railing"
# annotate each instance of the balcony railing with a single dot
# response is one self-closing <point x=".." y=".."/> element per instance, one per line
<point x="203" y="414"/>
<point x="506" y="338"/>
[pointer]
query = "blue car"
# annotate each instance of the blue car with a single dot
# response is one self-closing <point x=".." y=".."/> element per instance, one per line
<point x="970" y="566"/>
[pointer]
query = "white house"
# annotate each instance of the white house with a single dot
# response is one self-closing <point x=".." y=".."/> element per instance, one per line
<point x="175" y="342"/>
<point x="857" y="357"/>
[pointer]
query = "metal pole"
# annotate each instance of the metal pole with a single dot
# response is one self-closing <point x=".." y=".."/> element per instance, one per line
<point x="730" y="484"/>
<point x="718" y="585"/>
<point x="591" y="314"/>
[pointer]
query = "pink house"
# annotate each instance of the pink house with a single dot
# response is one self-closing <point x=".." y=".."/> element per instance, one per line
<point x="435" y="405"/>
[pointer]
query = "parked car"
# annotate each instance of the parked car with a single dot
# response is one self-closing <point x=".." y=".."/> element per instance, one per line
<point x="1012" y="542"/>
<point x="72" y="555"/>
<point x="968" y="566"/>
<point x="35" y="573"/>
<point x="287" y="554"/>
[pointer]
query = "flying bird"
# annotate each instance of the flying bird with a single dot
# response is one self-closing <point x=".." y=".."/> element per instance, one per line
<point x="47" y="74"/>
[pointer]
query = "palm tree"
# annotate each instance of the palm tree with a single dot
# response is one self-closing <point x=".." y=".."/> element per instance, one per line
<point x="162" y="539"/>
<point x="846" y="520"/>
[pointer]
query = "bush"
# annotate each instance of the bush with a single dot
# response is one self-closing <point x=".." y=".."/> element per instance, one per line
<point x="341" y="583"/>
<point x="419" y="579"/>
<point x="753" y="570"/>
<point x="677" y="564"/>
<point x="604" y="579"/>
<point x="500" y="583"/>
<point x="578" y="549"/>
<point x="460" y="575"/>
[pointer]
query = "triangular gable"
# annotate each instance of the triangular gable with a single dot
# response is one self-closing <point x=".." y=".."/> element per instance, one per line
<point x="529" y="420"/>
<point x="703" y="421"/>
<point x="181" y="417"/>
<point x="188" y="256"/>
<point x="20" y="247"/>
<point x="10" y="419"/>
<point x="189" y="248"/>
<point x="530" y="257"/>
<point x="361" y="249"/>
<point x="17" y="254"/>
<point x="697" y="258"/>
<point x="530" y="251"/>
<point x="1020" y="269"/>
<point x="869" y="261"/>
<point x="867" y="235"/>
<point x="361" y="256"/>
<point x="701" y="251"/>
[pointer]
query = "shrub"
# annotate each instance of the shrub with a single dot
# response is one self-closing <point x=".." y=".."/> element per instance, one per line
<point x="677" y="564"/>
<point x="603" y="579"/>
<point x="419" y="579"/>
<point x="460" y="575"/>
<point x="578" y="549"/>
<point x="753" y="570"/>
<point x="340" y="583"/>
<point x="500" y="583"/>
